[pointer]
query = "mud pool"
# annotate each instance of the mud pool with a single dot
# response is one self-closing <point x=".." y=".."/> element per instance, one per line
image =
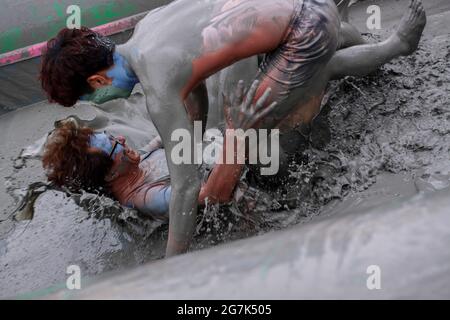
<point x="380" y="139"/>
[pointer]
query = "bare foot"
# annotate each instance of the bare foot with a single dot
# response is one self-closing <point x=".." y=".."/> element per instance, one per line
<point x="411" y="27"/>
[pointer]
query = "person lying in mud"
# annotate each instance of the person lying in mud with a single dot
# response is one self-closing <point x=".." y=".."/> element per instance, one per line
<point x="77" y="158"/>
<point x="176" y="47"/>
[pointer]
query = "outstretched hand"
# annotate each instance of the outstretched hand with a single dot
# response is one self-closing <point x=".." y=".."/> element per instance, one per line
<point x="241" y="112"/>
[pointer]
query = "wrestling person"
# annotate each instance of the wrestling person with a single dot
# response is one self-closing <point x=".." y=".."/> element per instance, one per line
<point x="176" y="47"/>
<point x="77" y="158"/>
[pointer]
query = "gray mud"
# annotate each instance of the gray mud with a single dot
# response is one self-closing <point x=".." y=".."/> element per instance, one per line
<point x="383" y="137"/>
<point x="393" y="122"/>
<point x="86" y="230"/>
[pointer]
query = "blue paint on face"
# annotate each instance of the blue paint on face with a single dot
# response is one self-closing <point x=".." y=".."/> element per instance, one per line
<point x="122" y="74"/>
<point x="123" y="82"/>
<point x="103" y="142"/>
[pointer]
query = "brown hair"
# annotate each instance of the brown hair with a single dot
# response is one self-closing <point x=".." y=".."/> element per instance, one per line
<point x="69" y="162"/>
<point x="69" y="60"/>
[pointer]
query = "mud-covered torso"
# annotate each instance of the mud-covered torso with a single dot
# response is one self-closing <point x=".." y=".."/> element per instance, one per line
<point x="152" y="170"/>
<point x="167" y="43"/>
<point x="154" y="166"/>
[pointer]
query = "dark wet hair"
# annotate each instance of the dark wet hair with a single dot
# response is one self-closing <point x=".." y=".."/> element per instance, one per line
<point x="68" y="161"/>
<point x="69" y="59"/>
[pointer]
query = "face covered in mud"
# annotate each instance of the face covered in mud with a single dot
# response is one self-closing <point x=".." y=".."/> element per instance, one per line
<point x="115" y="82"/>
<point x="124" y="158"/>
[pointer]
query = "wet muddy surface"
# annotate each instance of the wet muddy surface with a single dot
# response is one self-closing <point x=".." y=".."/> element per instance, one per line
<point x="379" y="138"/>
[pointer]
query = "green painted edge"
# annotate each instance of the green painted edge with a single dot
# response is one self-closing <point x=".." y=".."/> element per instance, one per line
<point x="46" y="27"/>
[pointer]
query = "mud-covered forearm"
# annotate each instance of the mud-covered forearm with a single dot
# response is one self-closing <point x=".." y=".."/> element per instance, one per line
<point x="155" y="144"/>
<point x="221" y="184"/>
<point x="223" y="179"/>
<point x="183" y="212"/>
<point x="185" y="182"/>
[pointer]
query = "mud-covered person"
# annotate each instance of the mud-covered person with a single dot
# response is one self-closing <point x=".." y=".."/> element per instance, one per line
<point x="77" y="157"/>
<point x="176" y="47"/>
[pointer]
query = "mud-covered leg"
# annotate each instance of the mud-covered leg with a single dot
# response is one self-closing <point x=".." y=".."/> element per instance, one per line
<point x="185" y="181"/>
<point x="349" y="36"/>
<point x="343" y="9"/>
<point x="365" y="59"/>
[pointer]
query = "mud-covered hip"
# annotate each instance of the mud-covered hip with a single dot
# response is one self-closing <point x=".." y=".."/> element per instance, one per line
<point x="311" y="41"/>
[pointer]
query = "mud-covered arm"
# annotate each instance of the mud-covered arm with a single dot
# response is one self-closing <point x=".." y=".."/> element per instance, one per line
<point x="169" y="115"/>
<point x="153" y="145"/>
<point x="197" y="107"/>
<point x="222" y="180"/>
<point x="240" y="113"/>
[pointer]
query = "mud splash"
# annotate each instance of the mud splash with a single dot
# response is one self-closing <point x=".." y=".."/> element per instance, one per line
<point x="396" y="121"/>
